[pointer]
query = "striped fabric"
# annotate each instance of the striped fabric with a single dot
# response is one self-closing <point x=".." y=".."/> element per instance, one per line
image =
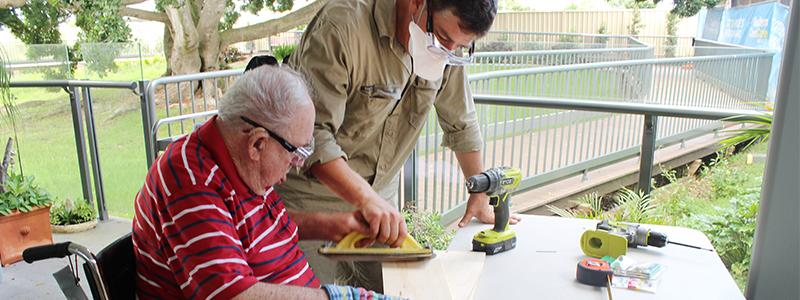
<point x="346" y="292"/>
<point x="200" y="233"/>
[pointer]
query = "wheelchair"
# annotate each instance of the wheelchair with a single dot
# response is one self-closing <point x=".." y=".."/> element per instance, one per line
<point x="111" y="274"/>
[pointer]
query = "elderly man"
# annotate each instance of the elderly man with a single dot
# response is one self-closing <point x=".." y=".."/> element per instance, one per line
<point x="378" y="67"/>
<point x="208" y="222"/>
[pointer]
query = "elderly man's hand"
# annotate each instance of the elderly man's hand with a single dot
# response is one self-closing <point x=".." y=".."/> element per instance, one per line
<point x="478" y="206"/>
<point x="386" y="224"/>
<point x="342" y="224"/>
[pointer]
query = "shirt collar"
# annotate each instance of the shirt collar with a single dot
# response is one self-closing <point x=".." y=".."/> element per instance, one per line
<point x="385" y="18"/>
<point x="212" y="140"/>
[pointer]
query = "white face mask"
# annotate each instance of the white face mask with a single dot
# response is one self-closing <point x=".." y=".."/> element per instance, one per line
<point x="426" y="64"/>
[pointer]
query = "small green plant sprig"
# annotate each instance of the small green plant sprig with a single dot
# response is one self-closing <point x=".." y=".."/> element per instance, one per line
<point x="426" y="230"/>
<point x="68" y="212"/>
<point x="744" y="134"/>
<point x="282" y="51"/>
<point x="22" y="194"/>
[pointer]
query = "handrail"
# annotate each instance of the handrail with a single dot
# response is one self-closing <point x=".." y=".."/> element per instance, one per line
<point x="586" y="66"/>
<point x="131" y="85"/>
<point x="733" y="115"/>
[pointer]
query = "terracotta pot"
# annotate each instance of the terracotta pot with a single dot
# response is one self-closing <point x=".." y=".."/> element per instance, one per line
<point x="22" y="230"/>
<point x="74" y="227"/>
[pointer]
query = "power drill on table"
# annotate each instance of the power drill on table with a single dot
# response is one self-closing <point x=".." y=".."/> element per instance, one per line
<point x="613" y="239"/>
<point x="497" y="183"/>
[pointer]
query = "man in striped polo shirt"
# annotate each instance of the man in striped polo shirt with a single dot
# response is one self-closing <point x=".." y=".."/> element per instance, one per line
<point x="208" y="222"/>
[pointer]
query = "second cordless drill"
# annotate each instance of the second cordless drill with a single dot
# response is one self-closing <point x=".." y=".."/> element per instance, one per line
<point x="497" y="183"/>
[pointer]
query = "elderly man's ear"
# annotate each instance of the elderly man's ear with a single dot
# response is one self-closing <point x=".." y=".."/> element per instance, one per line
<point x="256" y="144"/>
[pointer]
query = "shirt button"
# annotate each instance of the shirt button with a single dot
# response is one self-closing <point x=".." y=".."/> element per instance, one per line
<point x="383" y="166"/>
<point x="390" y="133"/>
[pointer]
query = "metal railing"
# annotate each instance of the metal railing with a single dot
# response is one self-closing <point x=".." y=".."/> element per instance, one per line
<point x="573" y="110"/>
<point x="80" y="96"/>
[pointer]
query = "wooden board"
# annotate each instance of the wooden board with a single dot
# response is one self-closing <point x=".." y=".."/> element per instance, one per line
<point x="451" y="275"/>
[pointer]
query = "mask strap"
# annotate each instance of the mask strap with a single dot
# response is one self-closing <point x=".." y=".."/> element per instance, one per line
<point x="419" y="18"/>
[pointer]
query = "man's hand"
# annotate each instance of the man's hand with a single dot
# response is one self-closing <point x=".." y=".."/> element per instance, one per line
<point x="342" y="224"/>
<point x="478" y="207"/>
<point x="386" y="224"/>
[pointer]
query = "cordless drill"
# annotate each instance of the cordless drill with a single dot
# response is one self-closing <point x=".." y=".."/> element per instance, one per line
<point x="497" y="183"/>
<point x="613" y="239"/>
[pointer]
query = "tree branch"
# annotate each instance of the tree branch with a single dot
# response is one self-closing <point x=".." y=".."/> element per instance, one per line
<point x="268" y="28"/>
<point x="143" y="14"/>
<point x="130" y="2"/>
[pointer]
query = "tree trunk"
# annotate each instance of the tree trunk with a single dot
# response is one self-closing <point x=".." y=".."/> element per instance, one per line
<point x="185" y="58"/>
<point x="168" y="48"/>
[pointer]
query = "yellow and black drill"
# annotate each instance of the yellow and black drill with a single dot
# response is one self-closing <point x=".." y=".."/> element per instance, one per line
<point x="497" y="183"/>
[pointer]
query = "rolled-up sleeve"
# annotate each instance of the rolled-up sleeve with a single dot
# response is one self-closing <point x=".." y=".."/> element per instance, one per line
<point x="456" y="112"/>
<point x="327" y="71"/>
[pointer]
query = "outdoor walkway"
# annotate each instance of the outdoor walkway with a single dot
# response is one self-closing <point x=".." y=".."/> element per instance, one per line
<point x="23" y="281"/>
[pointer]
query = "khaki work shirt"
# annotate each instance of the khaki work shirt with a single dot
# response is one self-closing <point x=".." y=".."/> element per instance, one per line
<point x="370" y="107"/>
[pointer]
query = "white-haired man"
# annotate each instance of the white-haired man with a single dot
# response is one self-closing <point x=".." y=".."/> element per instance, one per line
<point x="208" y="222"/>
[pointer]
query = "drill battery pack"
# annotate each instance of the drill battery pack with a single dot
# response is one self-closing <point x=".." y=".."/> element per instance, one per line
<point x="492" y="242"/>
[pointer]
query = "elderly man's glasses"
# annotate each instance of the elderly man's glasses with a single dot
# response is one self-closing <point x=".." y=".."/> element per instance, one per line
<point x="299" y="154"/>
<point x="456" y="57"/>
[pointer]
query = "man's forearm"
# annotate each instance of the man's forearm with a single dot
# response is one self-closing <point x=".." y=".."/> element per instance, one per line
<point x="308" y="224"/>
<point x="262" y="291"/>
<point x="471" y="162"/>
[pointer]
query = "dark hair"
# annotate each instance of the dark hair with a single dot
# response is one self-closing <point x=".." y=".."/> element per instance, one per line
<point x="476" y="16"/>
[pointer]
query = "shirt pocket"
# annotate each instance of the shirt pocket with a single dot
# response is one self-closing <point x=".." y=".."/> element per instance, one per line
<point x="417" y="108"/>
<point x="369" y="108"/>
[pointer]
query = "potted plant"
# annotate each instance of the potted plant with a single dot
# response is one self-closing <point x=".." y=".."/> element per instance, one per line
<point x="69" y="216"/>
<point x="24" y="217"/>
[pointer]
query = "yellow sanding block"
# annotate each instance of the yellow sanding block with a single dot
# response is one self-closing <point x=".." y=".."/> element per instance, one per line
<point x="346" y="250"/>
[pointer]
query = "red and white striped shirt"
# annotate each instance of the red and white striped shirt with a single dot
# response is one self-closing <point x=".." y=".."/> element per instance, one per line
<point x="200" y="233"/>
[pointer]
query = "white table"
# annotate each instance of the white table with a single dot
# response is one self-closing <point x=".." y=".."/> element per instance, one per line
<point x="543" y="264"/>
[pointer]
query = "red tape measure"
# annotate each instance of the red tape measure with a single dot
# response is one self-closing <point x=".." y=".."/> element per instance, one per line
<point x="594" y="272"/>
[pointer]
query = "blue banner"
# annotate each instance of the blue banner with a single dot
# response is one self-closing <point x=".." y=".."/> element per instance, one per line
<point x="760" y="26"/>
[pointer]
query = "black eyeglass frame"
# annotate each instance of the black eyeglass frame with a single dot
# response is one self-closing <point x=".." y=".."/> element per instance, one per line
<point x="286" y="145"/>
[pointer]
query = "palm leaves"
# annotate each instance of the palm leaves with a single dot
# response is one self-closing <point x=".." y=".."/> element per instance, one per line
<point x="744" y="134"/>
<point x="629" y="206"/>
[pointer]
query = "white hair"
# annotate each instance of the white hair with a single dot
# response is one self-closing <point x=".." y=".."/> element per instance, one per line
<point x="268" y="94"/>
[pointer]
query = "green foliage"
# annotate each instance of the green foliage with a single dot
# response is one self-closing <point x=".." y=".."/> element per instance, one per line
<point x="254" y="6"/>
<point x="229" y="17"/>
<point x="22" y="194"/>
<point x="731" y="232"/>
<point x="68" y="212"/>
<point x="594" y="204"/>
<point x="752" y="134"/>
<point x="629" y="4"/>
<point x="583" y="5"/>
<point x="425" y="229"/>
<point x="511" y="5"/>
<point x="35" y="23"/>
<point x="636" y="23"/>
<point x="100" y="21"/>
<point x="689" y="8"/>
<point x="282" y="51"/>
<point x="629" y="206"/>
<point x="603" y="29"/>
<point x="672" y="30"/>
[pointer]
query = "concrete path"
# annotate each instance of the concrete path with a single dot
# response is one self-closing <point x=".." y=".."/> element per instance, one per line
<point x="23" y="281"/>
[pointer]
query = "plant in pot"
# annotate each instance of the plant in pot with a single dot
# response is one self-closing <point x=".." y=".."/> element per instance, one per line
<point x="24" y="207"/>
<point x="67" y="216"/>
<point x="24" y="217"/>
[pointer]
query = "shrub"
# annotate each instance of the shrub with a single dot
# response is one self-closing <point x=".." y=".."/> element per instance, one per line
<point x="67" y="212"/>
<point x="282" y="51"/>
<point x="21" y="194"/>
<point x="426" y="230"/>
